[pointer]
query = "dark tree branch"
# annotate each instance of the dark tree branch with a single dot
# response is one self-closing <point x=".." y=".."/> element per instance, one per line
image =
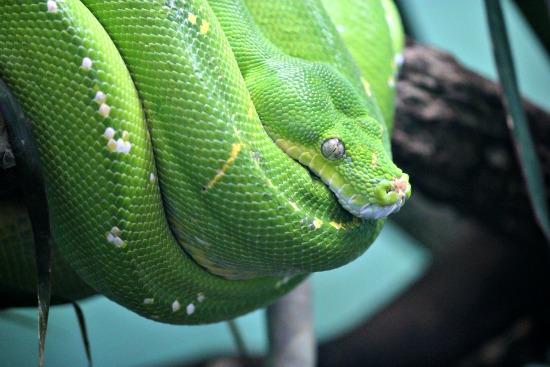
<point x="485" y="300"/>
<point x="451" y="137"/>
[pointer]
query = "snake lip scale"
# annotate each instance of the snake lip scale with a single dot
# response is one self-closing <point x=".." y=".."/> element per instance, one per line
<point x="373" y="211"/>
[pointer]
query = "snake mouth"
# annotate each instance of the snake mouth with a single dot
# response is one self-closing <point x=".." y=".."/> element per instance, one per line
<point x="389" y="197"/>
<point x="374" y="211"/>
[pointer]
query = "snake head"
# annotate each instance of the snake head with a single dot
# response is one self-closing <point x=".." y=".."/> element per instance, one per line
<point x="350" y="158"/>
<point x="320" y="119"/>
<point x="355" y="165"/>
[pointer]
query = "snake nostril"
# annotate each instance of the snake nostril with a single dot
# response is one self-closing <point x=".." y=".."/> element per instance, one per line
<point x="389" y="192"/>
<point x="401" y="186"/>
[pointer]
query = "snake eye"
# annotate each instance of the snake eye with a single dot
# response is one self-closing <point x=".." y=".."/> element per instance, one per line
<point x="333" y="149"/>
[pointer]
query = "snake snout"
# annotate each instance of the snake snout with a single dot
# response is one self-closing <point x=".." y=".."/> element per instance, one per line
<point x="390" y="195"/>
<point x="390" y="192"/>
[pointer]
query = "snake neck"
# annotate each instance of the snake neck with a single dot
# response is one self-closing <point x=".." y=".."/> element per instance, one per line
<point x="307" y="104"/>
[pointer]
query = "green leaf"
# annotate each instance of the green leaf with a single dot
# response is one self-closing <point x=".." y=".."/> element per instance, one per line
<point x="517" y="121"/>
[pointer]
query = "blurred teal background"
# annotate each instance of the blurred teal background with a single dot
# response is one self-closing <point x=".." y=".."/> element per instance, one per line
<point x="342" y="297"/>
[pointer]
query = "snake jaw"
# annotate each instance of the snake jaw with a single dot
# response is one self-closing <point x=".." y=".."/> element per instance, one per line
<point x="390" y="197"/>
<point x="373" y="211"/>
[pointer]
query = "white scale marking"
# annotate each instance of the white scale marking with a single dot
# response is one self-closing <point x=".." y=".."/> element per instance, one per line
<point x="52" y="6"/>
<point x="109" y="133"/>
<point x="176" y="306"/>
<point x="100" y="97"/>
<point x="113" y="237"/>
<point x="104" y="110"/>
<point x="86" y="63"/>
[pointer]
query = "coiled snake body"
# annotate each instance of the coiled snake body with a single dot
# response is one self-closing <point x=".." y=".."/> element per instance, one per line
<point x="201" y="158"/>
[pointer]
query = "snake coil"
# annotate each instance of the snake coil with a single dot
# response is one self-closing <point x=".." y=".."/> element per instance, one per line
<point x="201" y="158"/>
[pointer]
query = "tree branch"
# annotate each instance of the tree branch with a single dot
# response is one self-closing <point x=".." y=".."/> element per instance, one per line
<point x="451" y="137"/>
<point x="485" y="299"/>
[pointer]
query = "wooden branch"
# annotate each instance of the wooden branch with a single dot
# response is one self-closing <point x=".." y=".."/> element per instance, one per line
<point x="451" y="137"/>
<point x="290" y="326"/>
<point x="487" y="289"/>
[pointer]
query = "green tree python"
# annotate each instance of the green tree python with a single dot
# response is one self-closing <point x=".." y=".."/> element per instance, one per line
<point x="202" y="157"/>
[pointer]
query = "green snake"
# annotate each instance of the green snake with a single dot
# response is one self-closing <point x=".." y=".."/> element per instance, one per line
<point x="202" y="157"/>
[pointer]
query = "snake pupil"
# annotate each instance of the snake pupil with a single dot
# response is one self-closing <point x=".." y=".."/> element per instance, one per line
<point x="333" y="149"/>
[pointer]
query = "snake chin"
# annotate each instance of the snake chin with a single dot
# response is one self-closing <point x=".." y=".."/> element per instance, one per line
<point x="373" y="211"/>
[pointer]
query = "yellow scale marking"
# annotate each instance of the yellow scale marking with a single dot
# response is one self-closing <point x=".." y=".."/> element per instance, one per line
<point x="366" y="85"/>
<point x="192" y="18"/>
<point x="293" y="204"/>
<point x="204" y="26"/>
<point x="336" y="225"/>
<point x="234" y="152"/>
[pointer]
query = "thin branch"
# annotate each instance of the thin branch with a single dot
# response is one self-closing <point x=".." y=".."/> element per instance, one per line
<point x="290" y="325"/>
